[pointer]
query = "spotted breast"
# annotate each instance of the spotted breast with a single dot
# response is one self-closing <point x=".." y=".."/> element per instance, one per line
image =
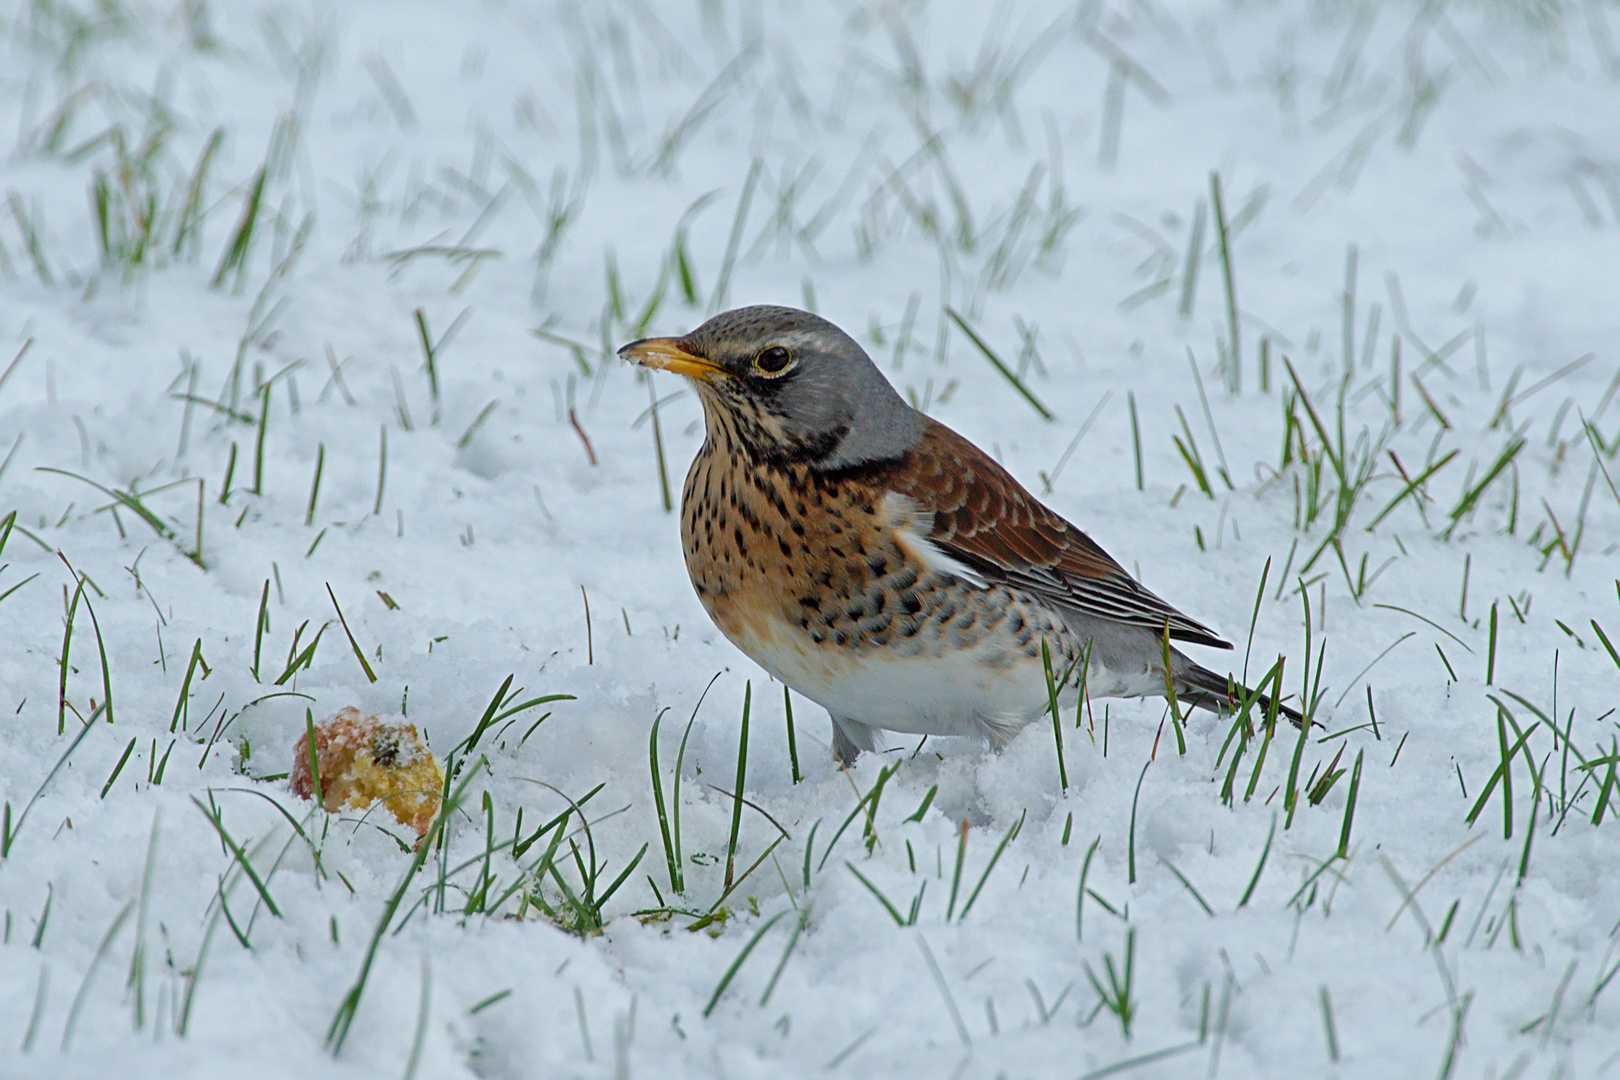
<point x="831" y="585"/>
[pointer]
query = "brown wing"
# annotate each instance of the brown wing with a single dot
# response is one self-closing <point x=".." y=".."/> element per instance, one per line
<point x="986" y="520"/>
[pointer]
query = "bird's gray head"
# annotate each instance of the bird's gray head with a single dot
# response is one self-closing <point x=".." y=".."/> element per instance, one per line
<point x="787" y="385"/>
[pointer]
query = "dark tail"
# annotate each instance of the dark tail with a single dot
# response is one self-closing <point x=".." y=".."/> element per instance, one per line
<point x="1201" y="688"/>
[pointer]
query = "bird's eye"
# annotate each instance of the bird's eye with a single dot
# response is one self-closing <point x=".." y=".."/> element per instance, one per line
<point x="773" y="361"/>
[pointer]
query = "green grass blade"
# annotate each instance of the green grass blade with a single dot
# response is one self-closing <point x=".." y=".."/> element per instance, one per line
<point x="1000" y="365"/>
<point x="731" y="972"/>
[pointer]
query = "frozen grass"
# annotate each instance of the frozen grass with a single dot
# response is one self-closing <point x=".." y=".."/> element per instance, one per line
<point x="309" y="399"/>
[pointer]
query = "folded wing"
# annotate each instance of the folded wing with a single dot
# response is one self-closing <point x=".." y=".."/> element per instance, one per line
<point x="985" y="520"/>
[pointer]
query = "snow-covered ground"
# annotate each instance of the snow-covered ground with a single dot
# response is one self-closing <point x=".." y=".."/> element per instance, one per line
<point x="1399" y="465"/>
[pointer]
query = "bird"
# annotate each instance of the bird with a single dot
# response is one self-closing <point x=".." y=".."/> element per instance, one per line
<point x="880" y="564"/>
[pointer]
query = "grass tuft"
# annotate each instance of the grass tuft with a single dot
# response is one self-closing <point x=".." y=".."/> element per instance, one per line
<point x="1116" y="996"/>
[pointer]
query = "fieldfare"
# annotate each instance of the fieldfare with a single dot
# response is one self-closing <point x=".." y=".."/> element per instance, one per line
<point x="881" y="565"/>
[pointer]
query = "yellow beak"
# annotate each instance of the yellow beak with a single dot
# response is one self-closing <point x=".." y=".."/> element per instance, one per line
<point x="666" y="354"/>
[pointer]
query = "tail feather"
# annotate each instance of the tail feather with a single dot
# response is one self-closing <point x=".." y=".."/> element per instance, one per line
<point x="1204" y="689"/>
<point x="850" y="737"/>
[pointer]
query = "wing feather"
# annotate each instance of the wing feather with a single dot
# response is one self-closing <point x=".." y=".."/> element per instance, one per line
<point x="984" y="519"/>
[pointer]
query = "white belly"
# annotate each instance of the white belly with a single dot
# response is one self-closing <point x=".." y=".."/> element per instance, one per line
<point x="954" y="694"/>
<point x="978" y="692"/>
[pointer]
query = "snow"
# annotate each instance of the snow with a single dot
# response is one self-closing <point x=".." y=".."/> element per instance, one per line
<point x="1449" y="176"/>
